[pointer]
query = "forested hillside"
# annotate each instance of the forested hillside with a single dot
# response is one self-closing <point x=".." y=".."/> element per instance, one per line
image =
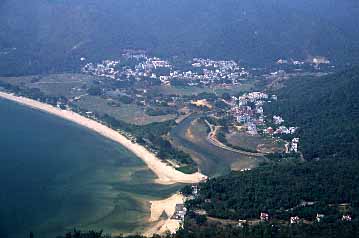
<point x="326" y="110"/>
<point x="281" y="190"/>
<point x="48" y="35"/>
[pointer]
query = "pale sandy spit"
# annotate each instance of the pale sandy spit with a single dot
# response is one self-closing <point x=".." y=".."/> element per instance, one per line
<point x="161" y="224"/>
<point x="165" y="173"/>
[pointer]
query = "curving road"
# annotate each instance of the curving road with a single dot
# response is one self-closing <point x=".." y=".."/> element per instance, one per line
<point x="214" y="141"/>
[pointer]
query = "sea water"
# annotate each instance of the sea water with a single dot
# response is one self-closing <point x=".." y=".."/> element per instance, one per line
<point x="56" y="176"/>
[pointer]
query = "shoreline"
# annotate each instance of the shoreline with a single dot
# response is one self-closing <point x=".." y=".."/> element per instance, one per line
<point x="166" y="174"/>
<point x="161" y="212"/>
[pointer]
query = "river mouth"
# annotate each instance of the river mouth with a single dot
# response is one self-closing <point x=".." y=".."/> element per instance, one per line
<point x="56" y="175"/>
<point x="191" y="134"/>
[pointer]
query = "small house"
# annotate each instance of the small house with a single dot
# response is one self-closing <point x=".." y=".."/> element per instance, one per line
<point x="264" y="216"/>
<point x="242" y="223"/>
<point x="320" y="217"/>
<point x="346" y="218"/>
<point x="294" y="220"/>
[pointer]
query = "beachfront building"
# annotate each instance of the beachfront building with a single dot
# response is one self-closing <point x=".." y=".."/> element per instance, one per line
<point x="264" y="217"/>
<point x="180" y="212"/>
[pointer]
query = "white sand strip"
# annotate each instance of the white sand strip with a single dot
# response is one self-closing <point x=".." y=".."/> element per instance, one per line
<point x="166" y="174"/>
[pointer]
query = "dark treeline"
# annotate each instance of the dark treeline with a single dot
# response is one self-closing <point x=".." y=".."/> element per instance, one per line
<point x="268" y="230"/>
<point x="153" y="135"/>
<point x="33" y="93"/>
<point x="281" y="189"/>
<point x="51" y="36"/>
<point x="326" y="110"/>
<point x="264" y="230"/>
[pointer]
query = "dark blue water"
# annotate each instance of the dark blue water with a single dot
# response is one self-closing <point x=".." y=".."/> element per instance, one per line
<point x="55" y="175"/>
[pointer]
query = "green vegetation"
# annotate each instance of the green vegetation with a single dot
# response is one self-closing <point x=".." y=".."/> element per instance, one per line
<point x="159" y="111"/>
<point x="153" y="135"/>
<point x="33" y="93"/>
<point x="221" y="136"/>
<point x="125" y="99"/>
<point x="189" y="169"/>
<point x="129" y="113"/>
<point x="326" y="110"/>
<point x="192" y="229"/>
<point x="269" y="230"/>
<point x="80" y="234"/>
<point x="280" y="190"/>
<point x="186" y="29"/>
<point x="94" y="91"/>
<point x="283" y="191"/>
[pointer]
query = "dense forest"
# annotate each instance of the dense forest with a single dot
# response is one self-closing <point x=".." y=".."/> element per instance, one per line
<point x="268" y="230"/>
<point x="44" y="36"/>
<point x="193" y="230"/>
<point x="326" y="110"/>
<point x="283" y="190"/>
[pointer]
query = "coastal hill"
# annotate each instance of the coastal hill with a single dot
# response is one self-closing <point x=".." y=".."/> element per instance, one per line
<point x="316" y="198"/>
<point x="326" y="110"/>
<point x="51" y="36"/>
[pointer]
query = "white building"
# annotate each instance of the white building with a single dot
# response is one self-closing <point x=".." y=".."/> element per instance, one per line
<point x="294" y="220"/>
<point x="294" y="146"/>
<point x="278" y="120"/>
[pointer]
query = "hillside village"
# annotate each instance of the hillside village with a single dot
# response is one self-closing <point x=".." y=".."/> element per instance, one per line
<point x="138" y="66"/>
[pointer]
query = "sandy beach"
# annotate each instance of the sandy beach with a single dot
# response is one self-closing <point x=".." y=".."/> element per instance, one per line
<point x="166" y="174"/>
<point x="161" y="212"/>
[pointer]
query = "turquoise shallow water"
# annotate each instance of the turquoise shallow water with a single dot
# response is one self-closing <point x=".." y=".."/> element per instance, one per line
<point x="56" y="175"/>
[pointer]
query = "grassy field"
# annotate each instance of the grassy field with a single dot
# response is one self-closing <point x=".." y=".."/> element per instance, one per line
<point x="168" y="90"/>
<point x="256" y="142"/>
<point x="130" y="113"/>
<point x="68" y="85"/>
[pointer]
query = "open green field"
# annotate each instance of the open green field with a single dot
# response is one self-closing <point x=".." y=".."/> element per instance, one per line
<point x="130" y="113"/>
<point x="75" y="85"/>
<point x="255" y="142"/>
<point x="68" y="85"/>
<point x="187" y="91"/>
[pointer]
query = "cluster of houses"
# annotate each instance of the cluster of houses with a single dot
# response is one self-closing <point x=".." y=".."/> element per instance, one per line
<point x="290" y="61"/>
<point x="106" y="68"/>
<point x="180" y="212"/>
<point x="248" y="110"/>
<point x="198" y="72"/>
<point x="264" y="217"/>
<point x="280" y="130"/>
<point x="318" y="60"/>
<point x="180" y="209"/>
